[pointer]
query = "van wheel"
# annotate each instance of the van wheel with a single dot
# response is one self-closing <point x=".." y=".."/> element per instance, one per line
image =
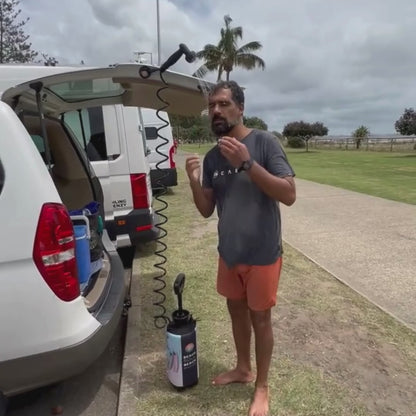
<point x="127" y="255"/>
<point x="3" y="404"/>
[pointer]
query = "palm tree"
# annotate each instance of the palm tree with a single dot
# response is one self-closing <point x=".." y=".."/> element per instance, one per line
<point x="227" y="55"/>
<point x="359" y="135"/>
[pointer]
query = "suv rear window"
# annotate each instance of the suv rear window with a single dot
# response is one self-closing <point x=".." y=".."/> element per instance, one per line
<point x="93" y="122"/>
<point x="73" y="91"/>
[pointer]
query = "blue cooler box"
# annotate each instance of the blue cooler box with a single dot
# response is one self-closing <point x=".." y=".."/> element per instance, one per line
<point x="82" y="249"/>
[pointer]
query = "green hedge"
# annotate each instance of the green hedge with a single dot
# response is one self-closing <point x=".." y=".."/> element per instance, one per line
<point x="296" y="142"/>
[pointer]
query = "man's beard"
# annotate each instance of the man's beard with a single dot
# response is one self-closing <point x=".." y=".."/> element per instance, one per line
<point x="222" y="128"/>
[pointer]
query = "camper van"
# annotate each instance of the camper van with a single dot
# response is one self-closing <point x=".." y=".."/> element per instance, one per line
<point x="115" y="144"/>
<point x="62" y="281"/>
<point x="161" y="148"/>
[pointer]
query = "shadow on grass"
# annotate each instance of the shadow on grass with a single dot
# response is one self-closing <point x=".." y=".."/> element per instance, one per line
<point x="160" y="192"/>
<point x="157" y="393"/>
<point x="402" y="156"/>
<point x="289" y="151"/>
<point x="146" y="249"/>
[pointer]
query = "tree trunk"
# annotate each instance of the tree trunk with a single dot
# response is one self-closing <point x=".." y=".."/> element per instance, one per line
<point x="220" y="71"/>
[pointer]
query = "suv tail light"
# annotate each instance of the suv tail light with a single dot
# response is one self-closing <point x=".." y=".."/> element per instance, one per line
<point x="54" y="251"/>
<point x="171" y="159"/>
<point x="139" y="190"/>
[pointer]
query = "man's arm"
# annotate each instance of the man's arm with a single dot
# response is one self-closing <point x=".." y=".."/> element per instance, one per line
<point x="280" y="189"/>
<point x="203" y="199"/>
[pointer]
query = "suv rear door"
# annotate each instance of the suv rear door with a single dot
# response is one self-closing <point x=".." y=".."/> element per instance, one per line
<point x="121" y="84"/>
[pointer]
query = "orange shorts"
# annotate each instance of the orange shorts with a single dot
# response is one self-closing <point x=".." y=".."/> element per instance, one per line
<point x="257" y="284"/>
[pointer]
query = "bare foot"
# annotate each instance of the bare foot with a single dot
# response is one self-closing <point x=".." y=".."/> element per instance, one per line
<point x="233" y="376"/>
<point x="260" y="404"/>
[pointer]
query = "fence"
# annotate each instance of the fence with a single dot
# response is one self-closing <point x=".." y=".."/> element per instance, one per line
<point x="386" y="143"/>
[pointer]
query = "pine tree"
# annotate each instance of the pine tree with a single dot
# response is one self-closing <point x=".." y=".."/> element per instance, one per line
<point x="14" y="45"/>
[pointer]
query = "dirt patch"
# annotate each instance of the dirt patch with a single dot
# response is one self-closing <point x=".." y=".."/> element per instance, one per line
<point x="200" y="231"/>
<point x="345" y="343"/>
<point x="374" y="373"/>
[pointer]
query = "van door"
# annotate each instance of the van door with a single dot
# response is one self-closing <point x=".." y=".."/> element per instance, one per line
<point x="122" y="201"/>
<point x="158" y="136"/>
<point x="162" y="148"/>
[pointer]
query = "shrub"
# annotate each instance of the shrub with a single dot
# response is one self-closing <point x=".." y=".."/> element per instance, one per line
<point x="296" y="142"/>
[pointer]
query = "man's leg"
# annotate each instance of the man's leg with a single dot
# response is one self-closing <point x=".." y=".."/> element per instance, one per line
<point x="241" y="326"/>
<point x="263" y="335"/>
<point x="262" y="283"/>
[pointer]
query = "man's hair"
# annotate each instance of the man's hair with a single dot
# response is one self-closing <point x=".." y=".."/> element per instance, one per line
<point x="237" y="93"/>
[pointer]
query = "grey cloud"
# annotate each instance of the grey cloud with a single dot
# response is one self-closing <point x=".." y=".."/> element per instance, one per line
<point x="344" y="63"/>
<point x="104" y="13"/>
<point x="387" y="55"/>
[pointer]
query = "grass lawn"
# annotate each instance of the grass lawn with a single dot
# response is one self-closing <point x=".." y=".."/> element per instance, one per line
<point x="383" y="174"/>
<point x="335" y="353"/>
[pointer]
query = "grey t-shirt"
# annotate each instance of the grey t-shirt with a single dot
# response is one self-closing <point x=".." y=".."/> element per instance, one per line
<point x="249" y="227"/>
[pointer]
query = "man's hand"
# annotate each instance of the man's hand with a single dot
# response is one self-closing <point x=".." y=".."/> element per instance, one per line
<point x="193" y="168"/>
<point x="233" y="150"/>
<point x="203" y="197"/>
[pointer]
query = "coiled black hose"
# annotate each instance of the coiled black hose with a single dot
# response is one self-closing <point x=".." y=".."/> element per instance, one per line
<point x="160" y="318"/>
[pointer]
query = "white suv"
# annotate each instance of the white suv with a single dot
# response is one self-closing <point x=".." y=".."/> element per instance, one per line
<point x="52" y="324"/>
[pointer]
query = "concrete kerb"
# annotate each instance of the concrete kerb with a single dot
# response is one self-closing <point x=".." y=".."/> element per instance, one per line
<point x="128" y="400"/>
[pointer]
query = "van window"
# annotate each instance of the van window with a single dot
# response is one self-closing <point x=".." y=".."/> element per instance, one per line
<point x="93" y="122"/>
<point x="151" y="133"/>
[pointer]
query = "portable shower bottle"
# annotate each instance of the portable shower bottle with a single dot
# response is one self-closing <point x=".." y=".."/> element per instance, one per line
<point x="182" y="356"/>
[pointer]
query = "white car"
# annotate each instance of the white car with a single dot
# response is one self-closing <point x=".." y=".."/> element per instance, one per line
<point x="53" y="324"/>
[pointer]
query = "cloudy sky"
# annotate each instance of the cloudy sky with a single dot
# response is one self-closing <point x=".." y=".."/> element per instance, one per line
<point x="345" y="63"/>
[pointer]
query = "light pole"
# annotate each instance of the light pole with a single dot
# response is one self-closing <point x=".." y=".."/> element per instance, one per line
<point x="139" y="54"/>
<point x="158" y="32"/>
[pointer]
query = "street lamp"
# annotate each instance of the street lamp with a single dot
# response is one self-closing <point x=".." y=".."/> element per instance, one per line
<point x="158" y="32"/>
<point x="140" y="60"/>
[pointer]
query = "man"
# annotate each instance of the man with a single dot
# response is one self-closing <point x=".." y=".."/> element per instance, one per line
<point x="244" y="176"/>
